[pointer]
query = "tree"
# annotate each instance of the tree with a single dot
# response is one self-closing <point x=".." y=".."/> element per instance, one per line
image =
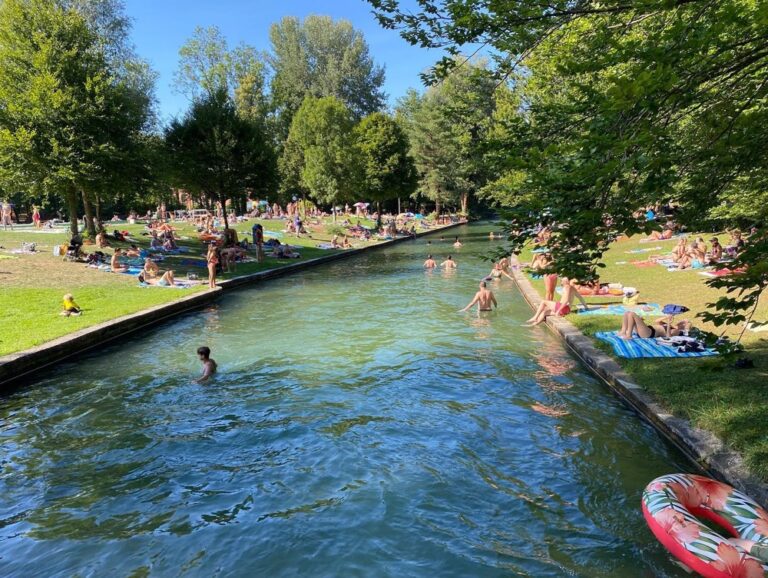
<point x="319" y="57"/>
<point x="207" y="65"/>
<point x="321" y="147"/>
<point x="386" y="169"/>
<point x="447" y="127"/>
<point x="623" y="104"/>
<point x="69" y="107"/>
<point x="219" y="153"/>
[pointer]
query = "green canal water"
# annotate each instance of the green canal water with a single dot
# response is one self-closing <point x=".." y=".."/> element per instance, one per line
<point x="360" y="426"/>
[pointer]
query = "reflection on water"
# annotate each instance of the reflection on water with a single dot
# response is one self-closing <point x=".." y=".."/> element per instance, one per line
<point x="360" y="426"/>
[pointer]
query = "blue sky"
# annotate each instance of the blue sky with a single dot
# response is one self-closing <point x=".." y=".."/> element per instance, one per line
<point x="160" y="27"/>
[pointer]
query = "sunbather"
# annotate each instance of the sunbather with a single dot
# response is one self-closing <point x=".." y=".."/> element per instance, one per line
<point x="562" y="307"/>
<point x="633" y="323"/>
<point x="716" y="254"/>
<point x="167" y="280"/>
<point x="115" y="264"/>
<point x="150" y="269"/>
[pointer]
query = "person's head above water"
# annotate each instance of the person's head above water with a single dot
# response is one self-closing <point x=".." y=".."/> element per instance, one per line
<point x="429" y="256"/>
<point x="204" y="352"/>
<point x="483" y="284"/>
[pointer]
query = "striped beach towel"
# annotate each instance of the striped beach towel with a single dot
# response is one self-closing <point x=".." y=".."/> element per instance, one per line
<point x="637" y="347"/>
<point x="648" y="309"/>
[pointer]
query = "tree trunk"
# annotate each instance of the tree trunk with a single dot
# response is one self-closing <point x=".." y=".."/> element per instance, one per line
<point x="378" y="215"/>
<point x="465" y="204"/>
<point x="97" y="202"/>
<point x="89" y="226"/>
<point x="72" y="206"/>
<point x="224" y="212"/>
<point x="437" y="209"/>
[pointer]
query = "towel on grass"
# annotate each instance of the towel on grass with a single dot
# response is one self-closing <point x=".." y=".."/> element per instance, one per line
<point x="647" y="250"/>
<point x="645" y="310"/>
<point x="637" y="347"/>
<point x="193" y="263"/>
<point x="643" y="263"/>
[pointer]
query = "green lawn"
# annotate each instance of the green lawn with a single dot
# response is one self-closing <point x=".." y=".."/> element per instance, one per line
<point x="32" y="286"/>
<point x="710" y="392"/>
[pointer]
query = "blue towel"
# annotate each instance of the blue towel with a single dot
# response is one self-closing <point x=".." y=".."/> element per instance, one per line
<point x="648" y="309"/>
<point x="637" y="347"/>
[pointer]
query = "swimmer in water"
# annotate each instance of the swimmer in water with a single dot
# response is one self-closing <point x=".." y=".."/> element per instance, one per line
<point x="430" y="263"/>
<point x="209" y="365"/>
<point x="457" y="244"/>
<point x="484" y="299"/>
<point x="449" y="263"/>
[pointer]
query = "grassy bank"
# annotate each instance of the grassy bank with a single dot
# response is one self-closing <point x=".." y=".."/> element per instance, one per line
<point x="709" y="392"/>
<point x="32" y="285"/>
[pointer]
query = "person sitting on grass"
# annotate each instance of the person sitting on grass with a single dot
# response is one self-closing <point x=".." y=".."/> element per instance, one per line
<point x="101" y="239"/>
<point x="155" y="243"/>
<point x="716" y="254"/>
<point x="133" y="251"/>
<point x="560" y="308"/>
<point x="167" y="280"/>
<point x="115" y="264"/>
<point x="633" y="323"/>
<point x="70" y="307"/>
<point x="150" y="269"/>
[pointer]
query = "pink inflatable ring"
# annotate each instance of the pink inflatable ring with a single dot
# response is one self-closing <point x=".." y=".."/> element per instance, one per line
<point x="673" y="506"/>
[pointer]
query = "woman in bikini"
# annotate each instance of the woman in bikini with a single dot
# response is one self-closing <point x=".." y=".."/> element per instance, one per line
<point x="632" y="322"/>
<point x="213" y="262"/>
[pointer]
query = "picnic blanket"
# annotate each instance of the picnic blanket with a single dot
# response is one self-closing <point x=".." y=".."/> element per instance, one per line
<point x="645" y="310"/>
<point x="643" y="263"/>
<point x="637" y="347"/>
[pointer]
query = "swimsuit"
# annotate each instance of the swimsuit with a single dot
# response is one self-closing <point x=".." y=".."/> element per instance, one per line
<point x="562" y="309"/>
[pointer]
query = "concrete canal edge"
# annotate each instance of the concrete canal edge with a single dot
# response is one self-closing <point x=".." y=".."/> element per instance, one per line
<point x="703" y="448"/>
<point x="23" y="364"/>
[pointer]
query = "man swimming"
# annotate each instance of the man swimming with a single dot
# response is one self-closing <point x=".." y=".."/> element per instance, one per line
<point x="430" y="263"/>
<point x="449" y="263"/>
<point x="457" y="244"/>
<point x="209" y="365"/>
<point x="484" y="299"/>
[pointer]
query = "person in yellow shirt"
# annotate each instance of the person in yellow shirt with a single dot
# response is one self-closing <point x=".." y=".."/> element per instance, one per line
<point x="70" y="307"/>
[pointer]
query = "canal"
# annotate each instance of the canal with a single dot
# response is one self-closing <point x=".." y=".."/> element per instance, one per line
<point x="360" y="426"/>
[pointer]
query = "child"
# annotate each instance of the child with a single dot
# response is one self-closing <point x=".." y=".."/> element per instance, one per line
<point x="70" y="307"/>
<point x="209" y="365"/>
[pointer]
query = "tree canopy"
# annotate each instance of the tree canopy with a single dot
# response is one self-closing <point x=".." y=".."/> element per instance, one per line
<point x="321" y="57"/>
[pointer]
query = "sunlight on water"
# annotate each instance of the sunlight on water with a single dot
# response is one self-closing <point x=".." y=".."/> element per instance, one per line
<point x="360" y="426"/>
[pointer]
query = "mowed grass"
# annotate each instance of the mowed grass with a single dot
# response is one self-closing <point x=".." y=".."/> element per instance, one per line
<point x="710" y="392"/>
<point x="32" y="285"/>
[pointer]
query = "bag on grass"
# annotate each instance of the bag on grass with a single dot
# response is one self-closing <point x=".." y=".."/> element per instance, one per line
<point x="671" y="309"/>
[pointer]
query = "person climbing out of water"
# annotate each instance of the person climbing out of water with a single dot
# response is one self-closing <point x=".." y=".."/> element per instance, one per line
<point x="430" y="263"/>
<point x="70" y="307"/>
<point x="484" y="299"/>
<point x="209" y="365"/>
<point x="449" y="263"/>
<point x="562" y="307"/>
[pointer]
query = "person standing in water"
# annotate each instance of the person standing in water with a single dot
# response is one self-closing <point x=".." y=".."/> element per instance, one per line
<point x="449" y="263"/>
<point x="209" y="365"/>
<point x="430" y="263"/>
<point x="484" y="299"/>
<point x="457" y="243"/>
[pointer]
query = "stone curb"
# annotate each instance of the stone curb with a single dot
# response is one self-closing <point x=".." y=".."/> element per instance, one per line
<point x="21" y="365"/>
<point x="708" y="452"/>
